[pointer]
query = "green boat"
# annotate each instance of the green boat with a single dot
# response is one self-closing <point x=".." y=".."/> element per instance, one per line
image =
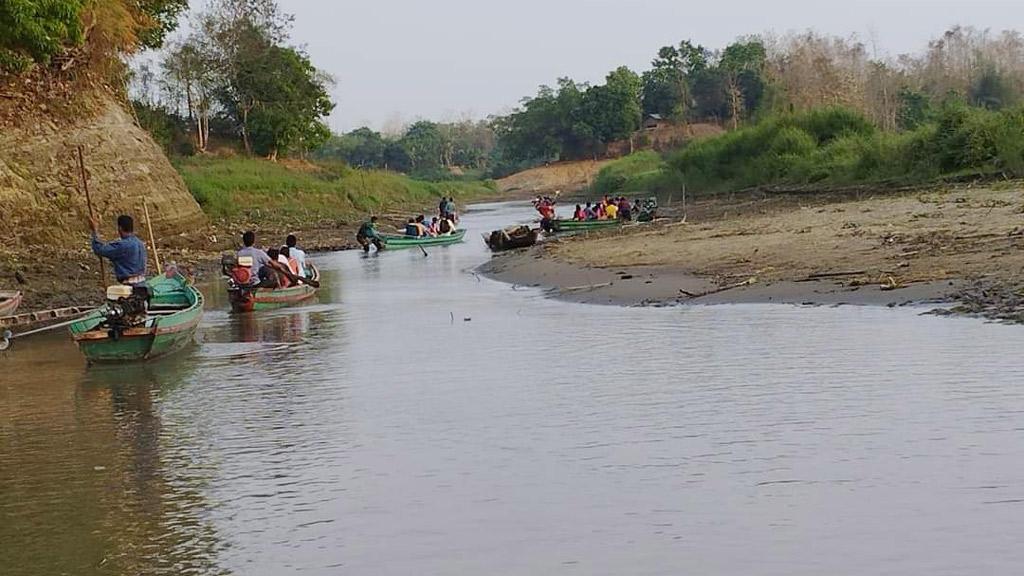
<point x="583" y="225"/>
<point x="141" y="322"/>
<point x="397" y="241"/>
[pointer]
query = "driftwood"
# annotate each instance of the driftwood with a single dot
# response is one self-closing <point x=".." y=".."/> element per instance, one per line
<point x="587" y="287"/>
<point x="747" y="282"/>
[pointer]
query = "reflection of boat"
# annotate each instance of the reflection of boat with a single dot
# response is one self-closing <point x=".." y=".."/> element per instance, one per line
<point x="396" y="241"/>
<point x="141" y="322"/>
<point x="581" y="225"/>
<point x="9" y="302"/>
<point x="246" y="298"/>
<point x="508" y="239"/>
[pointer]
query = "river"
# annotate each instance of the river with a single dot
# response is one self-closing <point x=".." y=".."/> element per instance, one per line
<point x="420" y="419"/>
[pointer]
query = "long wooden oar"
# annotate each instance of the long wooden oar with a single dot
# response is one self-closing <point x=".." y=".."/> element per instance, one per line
<point x="152" y="239"/>
<point x="92" y="214"/>
<point x="294" y="277"/>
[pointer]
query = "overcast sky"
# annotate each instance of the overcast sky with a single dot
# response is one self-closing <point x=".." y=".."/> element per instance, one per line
<point x="399" y="60"/>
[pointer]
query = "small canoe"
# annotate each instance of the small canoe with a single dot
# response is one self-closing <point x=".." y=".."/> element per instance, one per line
<point x="9" y="302"/>
<point x="250" y="299"/>
<point x="166" y="326"/>
<point x="582" y="225"/>
<point x="396" y="241"/>
<point x="521" y="237"/>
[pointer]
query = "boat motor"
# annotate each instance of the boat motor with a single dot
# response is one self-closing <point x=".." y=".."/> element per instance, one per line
<point x="238" y="269"/>
<point x="126" y="307"/>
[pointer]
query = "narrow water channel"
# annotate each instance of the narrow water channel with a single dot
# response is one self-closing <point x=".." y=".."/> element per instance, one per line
<point x="419" y="419"/>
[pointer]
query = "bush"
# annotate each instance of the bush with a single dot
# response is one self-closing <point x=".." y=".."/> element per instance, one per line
<point x="834" y="146"/>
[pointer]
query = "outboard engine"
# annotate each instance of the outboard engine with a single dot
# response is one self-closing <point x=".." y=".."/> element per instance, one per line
<point x="126" y="307"/>
<point x="238" y="270"/>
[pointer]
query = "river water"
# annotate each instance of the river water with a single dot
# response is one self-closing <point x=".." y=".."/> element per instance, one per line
<point x="419" y="419"/>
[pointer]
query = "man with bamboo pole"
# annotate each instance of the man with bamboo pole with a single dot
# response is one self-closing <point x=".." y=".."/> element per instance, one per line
<point x="127" y="254"/>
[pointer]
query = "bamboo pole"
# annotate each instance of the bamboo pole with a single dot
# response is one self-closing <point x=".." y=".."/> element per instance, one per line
<point x="92" y="214"/>
<point x="152" y="239"/>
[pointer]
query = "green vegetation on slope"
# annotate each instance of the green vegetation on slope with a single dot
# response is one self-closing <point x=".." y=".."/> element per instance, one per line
<point x="832" y="147"/>
<point x="258" y="189"/>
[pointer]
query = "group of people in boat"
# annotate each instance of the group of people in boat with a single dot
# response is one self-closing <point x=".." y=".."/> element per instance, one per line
<point x="444" y="224"/>
<point x="608" y="208"/>
<point x="274" y="268"/>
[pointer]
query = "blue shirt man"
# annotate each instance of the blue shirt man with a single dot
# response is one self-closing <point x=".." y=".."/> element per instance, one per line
<point x="127" y="254"/>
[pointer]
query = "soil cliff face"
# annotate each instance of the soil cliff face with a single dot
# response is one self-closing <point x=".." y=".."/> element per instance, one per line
<point x="41" y="196"/>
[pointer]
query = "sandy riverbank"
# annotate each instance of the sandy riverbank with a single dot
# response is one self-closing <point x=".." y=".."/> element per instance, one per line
<point x="951" y="244"/>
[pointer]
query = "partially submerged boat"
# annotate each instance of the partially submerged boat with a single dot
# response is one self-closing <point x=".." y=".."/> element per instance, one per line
<point x="247" y="297"/>
<point x="583" y="225"/>
<point x="511" y="238"/>
<point x="141" y="322"/>
<point x="9" y="302"/>
<point x="398" y="241"/>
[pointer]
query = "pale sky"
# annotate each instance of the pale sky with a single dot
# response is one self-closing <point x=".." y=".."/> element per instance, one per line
<point x="444" y="59"/>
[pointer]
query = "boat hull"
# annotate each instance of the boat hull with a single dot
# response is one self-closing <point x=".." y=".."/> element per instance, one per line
<point x="9" y="302"/>
<point x="583" y="225"/>
<point x="160" y="336"/>
<point x="397" y="242"/>
<point x="254" y="300"/>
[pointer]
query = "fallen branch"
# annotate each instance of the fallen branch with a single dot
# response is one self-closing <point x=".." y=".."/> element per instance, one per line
<point x="747" y="282"/>
<point x="587" y="287"/>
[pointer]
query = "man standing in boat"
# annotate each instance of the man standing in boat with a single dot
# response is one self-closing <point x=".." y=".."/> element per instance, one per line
<point x="127" y="254"/>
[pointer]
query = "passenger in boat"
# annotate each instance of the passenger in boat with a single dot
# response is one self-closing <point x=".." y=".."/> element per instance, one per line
<point x="625" y="213"/>
<point x="412" y="229"/>
<point x="435" y="226"/>
<point x="589" y="212"/>
<point x="449" y="210"/>
<point x="601" y="214"/>
<point x="368" y="235"/>
<point x="291" y="241"/>
<point x="611" y="211"/>
<point x="259" y="257"/>
<point x="270" y="274"/>
<point x="445" y="227"/>
<point x="421" y="222"/>
<point x="289" y="260"/>
<point x="579" y="214"/>
<point x="127" y="254"/>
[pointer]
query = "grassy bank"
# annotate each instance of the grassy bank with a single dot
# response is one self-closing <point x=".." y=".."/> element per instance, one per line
<point x="256" y="189"/>
<point x="832" y="147"/>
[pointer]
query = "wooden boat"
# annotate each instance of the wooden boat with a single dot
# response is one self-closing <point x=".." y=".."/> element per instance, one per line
<point x="397" y="241"/>
<point x="9" y="302"/>
<point x="520" y="237"/>
<point x="126" y="329"/>
<point x="583" y="225"/>
<point x="250" y="299"/>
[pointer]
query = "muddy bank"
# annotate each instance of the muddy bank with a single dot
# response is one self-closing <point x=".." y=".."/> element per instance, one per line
<point x="662" y="285"/>
<point x="957" y="244"/>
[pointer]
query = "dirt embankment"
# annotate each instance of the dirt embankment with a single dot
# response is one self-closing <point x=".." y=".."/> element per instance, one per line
<point x="957" y="243"/>
<point x="561" y="177"/>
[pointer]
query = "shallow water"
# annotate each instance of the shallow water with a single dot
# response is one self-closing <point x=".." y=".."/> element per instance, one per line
<point x="419" y="419"/>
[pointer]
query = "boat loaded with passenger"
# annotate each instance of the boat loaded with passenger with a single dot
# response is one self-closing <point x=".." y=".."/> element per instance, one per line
<point x="398" y="241"/>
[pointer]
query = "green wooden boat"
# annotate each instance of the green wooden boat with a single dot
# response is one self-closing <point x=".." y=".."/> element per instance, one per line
<point x="583" y="225"/>
<point x="125" y="330"/>
<point x="249" y="299"/>
<point x="397" y="241"/>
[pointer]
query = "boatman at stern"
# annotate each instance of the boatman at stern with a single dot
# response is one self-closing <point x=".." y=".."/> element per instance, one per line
<point x="127" y="254"/>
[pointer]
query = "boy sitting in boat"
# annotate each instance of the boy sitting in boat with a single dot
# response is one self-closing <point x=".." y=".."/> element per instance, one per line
<point x="127" y="254"/>
<point x="300" y="255"/>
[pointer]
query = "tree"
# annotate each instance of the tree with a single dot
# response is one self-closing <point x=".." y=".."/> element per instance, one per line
<point x="36" y="30"/>
<point x="422" y="142"/>
<point x="190" y="78"/>
<point x="992" y="90"/>
<point x="742" y="64"/>
<point x="612" y="111"/>
<point x="290" y="98"/>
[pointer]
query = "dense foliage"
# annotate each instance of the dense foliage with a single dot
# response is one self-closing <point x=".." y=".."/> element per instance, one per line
<point x="833" y="147"/>
<point x="35" y="31"/>
<point x="236" y="77"/>
<point x="425" y="149"/>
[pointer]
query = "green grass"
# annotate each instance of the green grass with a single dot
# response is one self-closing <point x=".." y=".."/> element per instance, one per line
<point x="640" y="172"/>
<point x="233" y="188"/>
